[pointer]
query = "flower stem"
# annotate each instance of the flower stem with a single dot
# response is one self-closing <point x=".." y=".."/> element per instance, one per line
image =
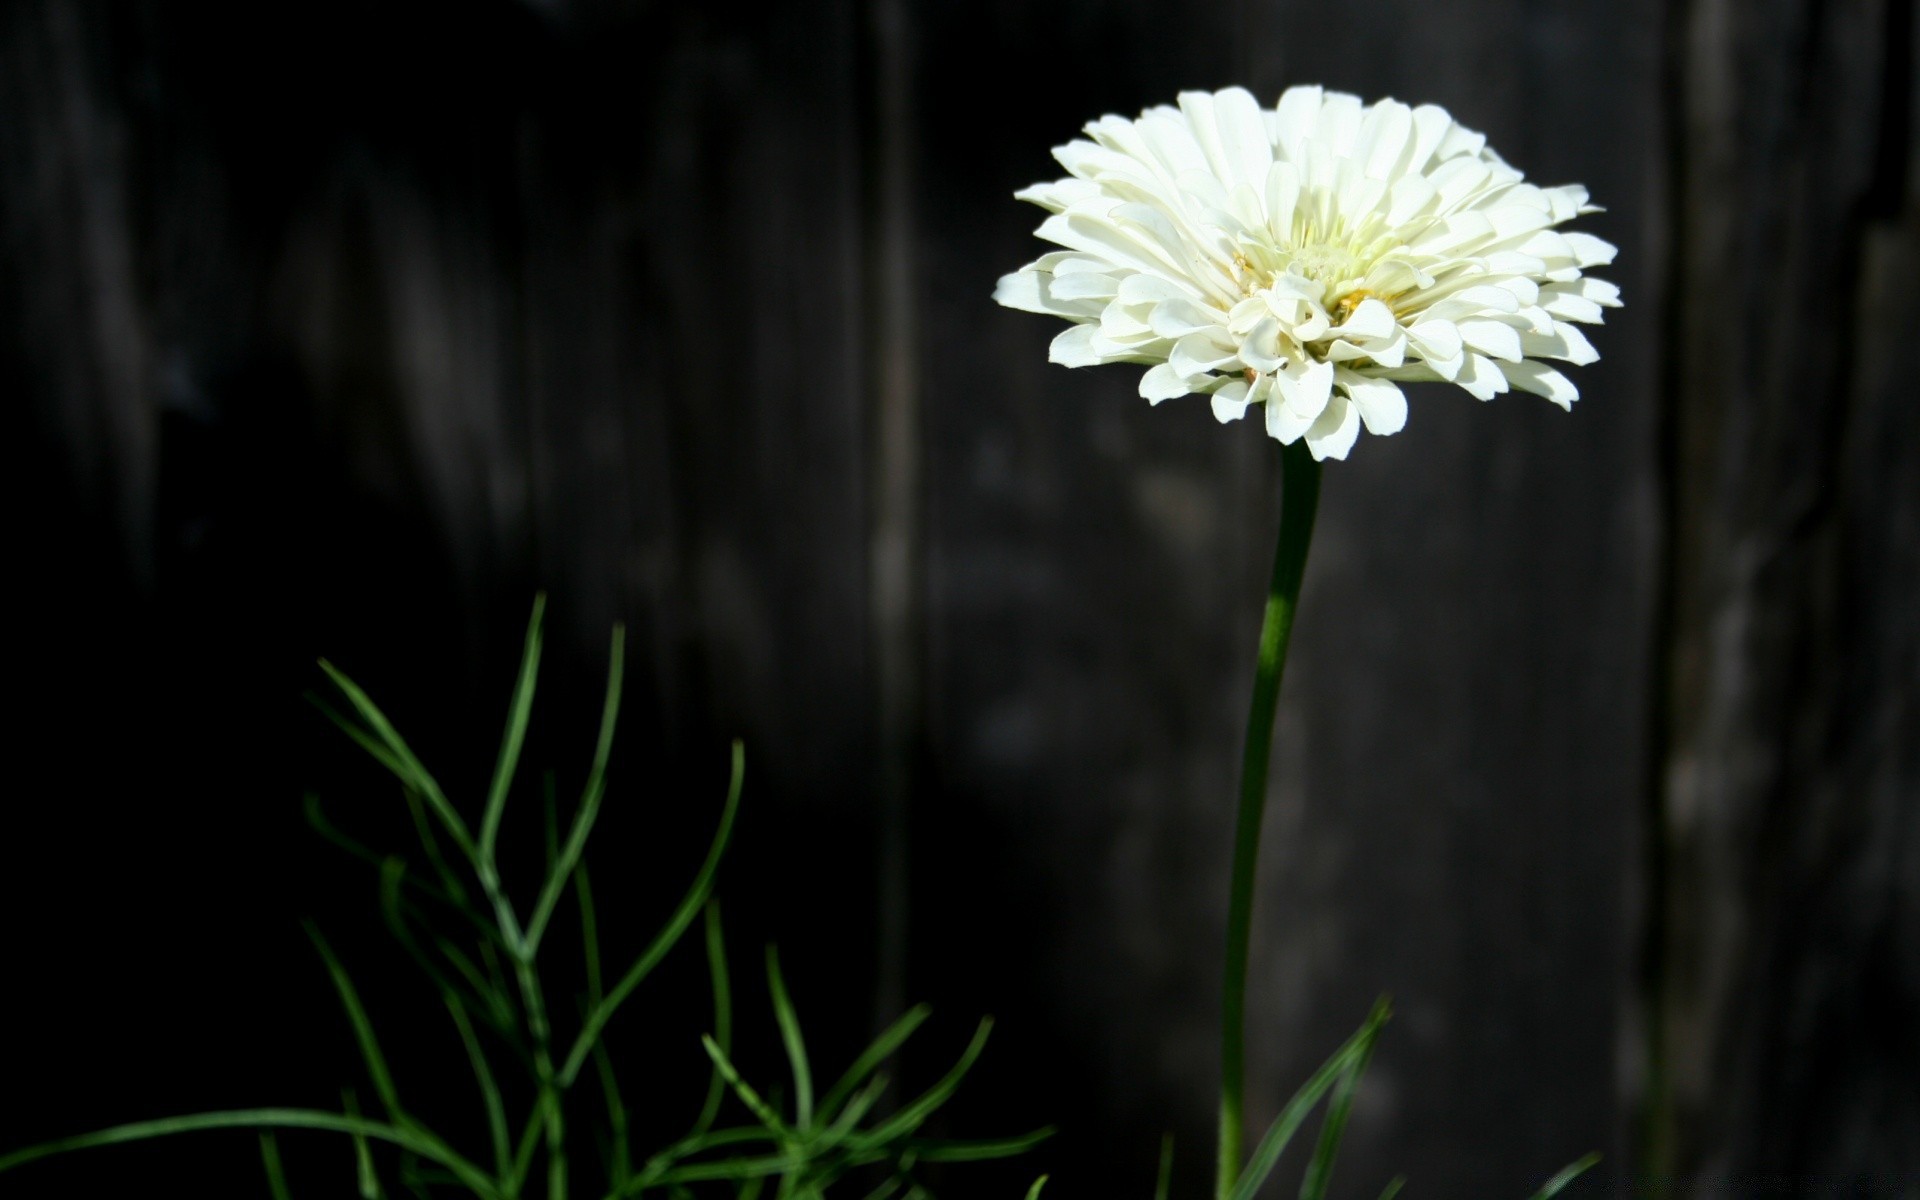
<point x="1300" y="498"/>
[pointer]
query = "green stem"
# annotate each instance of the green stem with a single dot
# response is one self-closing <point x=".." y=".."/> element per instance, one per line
<point x="547" y="1105"/>
<point x="1300" y="497"/>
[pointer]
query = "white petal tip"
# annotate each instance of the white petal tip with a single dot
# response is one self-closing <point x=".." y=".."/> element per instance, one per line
<point x="1162" y="383"/>
<point x="1074" y="347"/>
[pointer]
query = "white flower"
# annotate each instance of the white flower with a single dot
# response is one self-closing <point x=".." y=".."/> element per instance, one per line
<point x="1309" y="258"/>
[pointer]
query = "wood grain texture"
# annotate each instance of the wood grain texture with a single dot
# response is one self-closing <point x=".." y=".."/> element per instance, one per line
<point x="1785" y="981"/>
<point x="1468" y="709"/>
<point x="1095" y="570"/>
<point x="81" y="341"/>
<point x="430" y="308"/>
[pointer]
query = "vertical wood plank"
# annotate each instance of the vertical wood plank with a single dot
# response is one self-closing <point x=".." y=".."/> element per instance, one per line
<point x="1093" y="572"/>
<point x="896" y="552"/>
<point x="527" y="295"/>
<point x="80" y="338"/>
<point x="1787" y="941"/>
<point x="1468" y="718"/>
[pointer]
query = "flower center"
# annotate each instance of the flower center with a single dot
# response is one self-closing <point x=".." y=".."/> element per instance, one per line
<point x="1342" y="308"/>
<point x="1325" y="263"/>
<point x="1338" y="259"/>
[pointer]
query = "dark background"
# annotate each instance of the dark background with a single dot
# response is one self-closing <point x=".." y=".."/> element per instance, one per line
<point x="339" y="330"/>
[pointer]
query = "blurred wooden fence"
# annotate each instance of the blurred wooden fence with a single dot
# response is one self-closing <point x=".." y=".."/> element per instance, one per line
<point x="340" y="330"/>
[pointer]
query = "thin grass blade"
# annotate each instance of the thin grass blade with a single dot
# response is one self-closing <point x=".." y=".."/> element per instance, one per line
<point x="1320" y="1169"/>
<point x="374" y="747"/>
<point x="394" y="908"/>
<point x="1267" y="1154"/>
<point x="741" y="1088"/>
<point x="796" y="1046"/>
<point x="317" y="818"/>
<point x="871" y="1058"/>
<point x="669" y="935"/>
<point x="419" y="1179"/>
<point x="524" y="1150"/>
<point x="362" y="1030"/>
<point x="410" y="769"/>
<point x="1033" y="1193"/>
<point x="483" y="1077"/>
<point x="1567" y="1175"/>
<point x="1393" y="1187"/>
<point x="590" y="797"/>
<point x="722" y="1014"/>
<point x="655" y="1171"/>
<point x="423" y="829"/>
<point x="981" y="1149"/>
<point x="364" y="1176"/>
<point x="620" y="1166"/>
<point x="619" y="1149"/>
<point x="589" y="934"/>
<point x="397" y="907"/>
<point x="519" y="709"/>
<point x="496" y="1003"/>
<point x="423" y="1144"/>
<point x="733" y="1168"/>
<point x="276" y="1174"/>
<point x="1163" y="1178"/>
<point x="858" y="1107"/>
<point x="910" y="1117"/>
<point x="889" y="1186"/>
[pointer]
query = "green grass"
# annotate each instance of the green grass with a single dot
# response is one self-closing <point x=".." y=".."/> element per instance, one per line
<point x="479" y="948"/>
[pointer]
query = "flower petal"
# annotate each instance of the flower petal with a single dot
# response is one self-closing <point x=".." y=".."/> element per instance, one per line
<point x="1542" y="380"/>
<point x="1059" y="195"/>
<point x="1284" y="425"/>
<point x="1569" y="307"/>
<point x="1032" y="291"/>
<point x="1230" y="402"/>
<point x="1074" y="347"/>
<point x="1298" y="112"/>
<point x="1178" y="317"/>
<point x="1260" y="348"/>
<point x="1335" y="432"/>
<point x="1437" y="341"/>
<point x="1090" y="228"/>
<point x="1084" y="285"/>
<point x="1162" y="382"/>
<point x="1283" y="192"/>
<point x="1371" y="319"/>
<point x="1385" y="138"/>
<point x="1243" y="138"/>
<point x="1492" y="337"/>
<point x="1566" y="343"/>
<point x="1430" y="125"/>
<point x="1590" y="251"/>
<point x="1305" y="387"/>
<point x="1481" y="377"/>
<point x="1142" y="289"/>
<point x="1409" y="196"/>
<point x="1382" y="405"/>
<point x="1199" y="353"/>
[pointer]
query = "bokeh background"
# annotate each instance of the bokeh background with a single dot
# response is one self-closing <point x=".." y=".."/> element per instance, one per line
<point x="339" y="330"/>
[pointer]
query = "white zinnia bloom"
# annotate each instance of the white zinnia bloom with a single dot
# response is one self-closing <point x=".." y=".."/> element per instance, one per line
<point x="1310" y="258"/>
